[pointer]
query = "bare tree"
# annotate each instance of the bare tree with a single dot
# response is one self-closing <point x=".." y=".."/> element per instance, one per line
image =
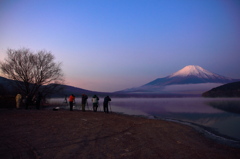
<point x="32" y="72"/>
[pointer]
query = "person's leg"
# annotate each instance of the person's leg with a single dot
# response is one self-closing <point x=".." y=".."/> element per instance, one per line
<point x="83" y="107"/>
<point x="107" y="109"/>
<point x="18" y="104"/>
<point x="95" y="107"/>
<point x="71" y="106"/>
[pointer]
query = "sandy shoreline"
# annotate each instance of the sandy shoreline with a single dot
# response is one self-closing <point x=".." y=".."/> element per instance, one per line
<point x="76" y="134"/>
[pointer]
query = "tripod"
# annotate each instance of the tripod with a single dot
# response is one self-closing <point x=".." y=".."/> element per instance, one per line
<point x="110" y="107"/>
<point x="87" y="105"/>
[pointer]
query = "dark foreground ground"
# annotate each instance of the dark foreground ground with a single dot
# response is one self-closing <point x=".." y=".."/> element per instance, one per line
<point x="63" y="134"/>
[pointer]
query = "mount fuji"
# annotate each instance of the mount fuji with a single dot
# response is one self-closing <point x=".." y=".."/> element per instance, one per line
<point x="191" y="79"/>
<point x="191" y="74"/>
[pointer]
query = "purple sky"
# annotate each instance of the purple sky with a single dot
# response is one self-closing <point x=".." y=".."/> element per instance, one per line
<point x="110" y="45"/>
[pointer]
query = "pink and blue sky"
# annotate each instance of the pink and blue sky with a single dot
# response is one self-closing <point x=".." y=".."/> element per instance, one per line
<point x="110" y="45"/>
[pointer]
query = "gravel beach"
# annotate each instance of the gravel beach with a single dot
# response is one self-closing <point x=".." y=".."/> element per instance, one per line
<point x="62" y="134"/>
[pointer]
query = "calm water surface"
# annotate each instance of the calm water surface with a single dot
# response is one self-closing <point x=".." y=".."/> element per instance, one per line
<point x="220" y="115"/>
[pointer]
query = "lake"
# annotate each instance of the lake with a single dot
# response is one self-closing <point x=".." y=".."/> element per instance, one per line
<point x="218" y="116"/>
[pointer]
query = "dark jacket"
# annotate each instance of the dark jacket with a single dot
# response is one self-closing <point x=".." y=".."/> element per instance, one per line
<point x="84" y="98"/>
<point x="106" y="100"/>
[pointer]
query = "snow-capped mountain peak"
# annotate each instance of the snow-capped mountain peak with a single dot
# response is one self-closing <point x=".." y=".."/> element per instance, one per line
<point x="193" y="70"/>
<point x="191" y="79"/>
<point x="189" y="75"/>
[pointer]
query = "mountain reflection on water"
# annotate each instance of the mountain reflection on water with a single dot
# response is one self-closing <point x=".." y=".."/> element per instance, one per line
<point x="220" y="115"/>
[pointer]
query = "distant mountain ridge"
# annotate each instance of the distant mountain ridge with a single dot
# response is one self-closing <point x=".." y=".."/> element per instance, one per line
<point x="226" y="90"/>
<point x="6" y="88"/>
<point x="191" y="79"/>
<point x="67" y="90"/>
